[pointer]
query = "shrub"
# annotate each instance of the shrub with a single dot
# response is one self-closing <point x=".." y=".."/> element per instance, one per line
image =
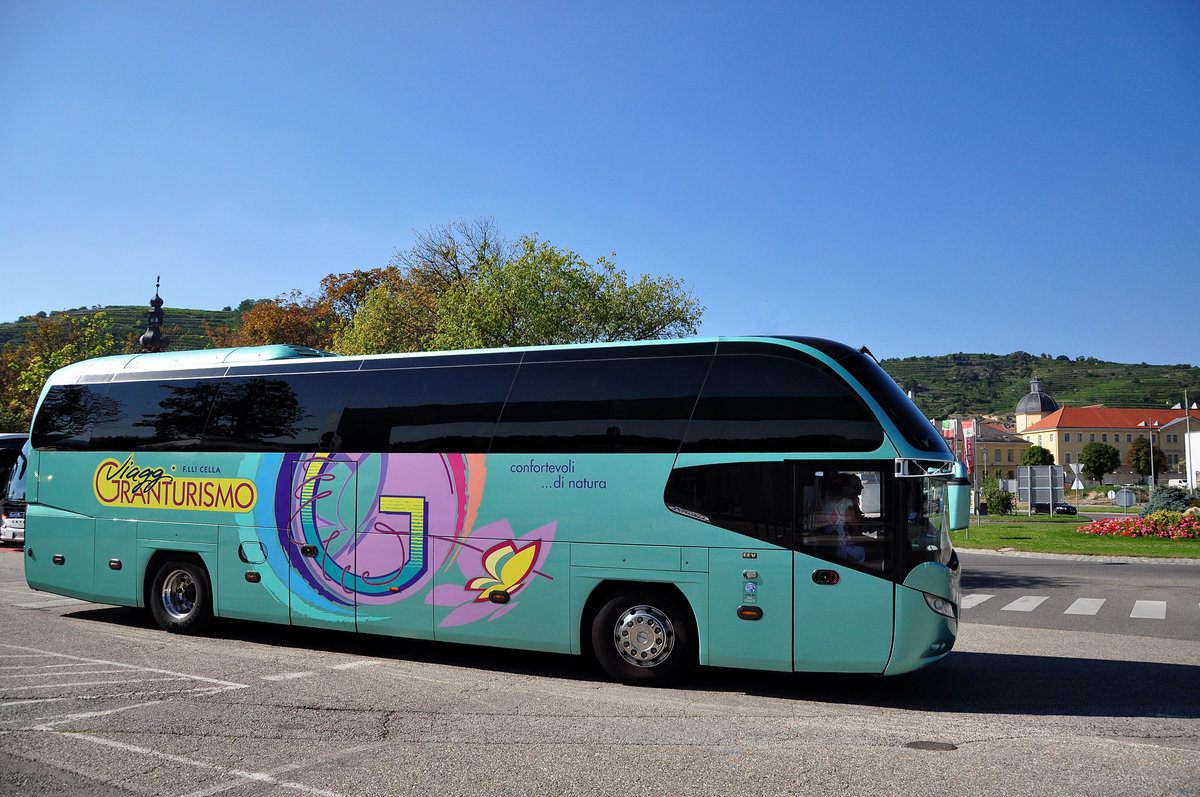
<point x="1164" y="519"/>
<point x="1002" y="503"/>
<point x="999" y="501"/>
<point x="1169" y="498"/>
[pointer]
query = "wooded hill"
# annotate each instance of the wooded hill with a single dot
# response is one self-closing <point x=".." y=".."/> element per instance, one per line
<point x="990" y="385"/>
<point x="182" y="326"/>
<point x="965" y="385"/>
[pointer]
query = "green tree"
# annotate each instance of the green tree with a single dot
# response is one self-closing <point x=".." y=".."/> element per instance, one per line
<point x="549" y="295"/>
<point x="1036" y="455"/>
<point x="346" y="293"/>
<point x="1099" y="459"/>
<point x="291" y="318"/>
<point x="1138" y="457"/>
<point x="395" y="309"/>
<point x="462" y="286"/>
<point x="50" y="344"/>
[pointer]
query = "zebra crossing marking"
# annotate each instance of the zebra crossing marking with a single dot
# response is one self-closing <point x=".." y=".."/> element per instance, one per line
<point x="1025" y="603"/>
<point x="1088" y="606"/>
<point x="1149" y="610"/>
<point x="971" y="601"/>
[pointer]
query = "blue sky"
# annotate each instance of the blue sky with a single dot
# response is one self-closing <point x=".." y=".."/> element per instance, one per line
<point x="921" y="178"/>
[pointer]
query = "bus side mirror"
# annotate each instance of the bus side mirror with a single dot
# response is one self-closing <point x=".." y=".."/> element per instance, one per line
<point x="958" y="496"/>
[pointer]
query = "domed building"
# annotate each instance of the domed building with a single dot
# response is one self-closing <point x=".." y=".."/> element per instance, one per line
<point x="1067" y="431"/>
<point x="1035" y="406"/>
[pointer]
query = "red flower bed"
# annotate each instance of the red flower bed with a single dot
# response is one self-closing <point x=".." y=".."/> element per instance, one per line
<point x="1188" y="528"/>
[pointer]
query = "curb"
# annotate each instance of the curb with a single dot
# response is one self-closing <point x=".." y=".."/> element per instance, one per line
<point x="1125" y="560"/>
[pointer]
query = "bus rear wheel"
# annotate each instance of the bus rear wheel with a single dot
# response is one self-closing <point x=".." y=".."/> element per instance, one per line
<point x="180" y="598"/>
<point x="644" y="636"/>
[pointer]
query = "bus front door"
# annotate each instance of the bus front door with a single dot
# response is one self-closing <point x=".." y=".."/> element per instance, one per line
<point x="843" y="618"/>
<point x="843" y="590"/>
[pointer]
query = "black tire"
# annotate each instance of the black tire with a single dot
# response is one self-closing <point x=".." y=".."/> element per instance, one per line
<point x="644" y="636"/>
<point x="180" y="598"/>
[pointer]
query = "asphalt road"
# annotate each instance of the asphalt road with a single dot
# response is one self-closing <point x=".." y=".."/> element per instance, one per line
<point x="96" y="700"/>
<point x="1139" y="597"/>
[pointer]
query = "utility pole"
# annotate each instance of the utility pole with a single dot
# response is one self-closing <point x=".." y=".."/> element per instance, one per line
<point x="1150" y="423"/>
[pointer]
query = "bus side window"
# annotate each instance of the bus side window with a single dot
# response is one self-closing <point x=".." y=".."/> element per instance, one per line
<point x="600" y="405"/>
<point x="284" y="412"/>
<point x="425" y="409"/>
<point x="751" y="498"/>
<point x="755" y="402"/>
<point x="846" y="517"/>
<point x="68" y="414"/>
<point x="154" y="415"/>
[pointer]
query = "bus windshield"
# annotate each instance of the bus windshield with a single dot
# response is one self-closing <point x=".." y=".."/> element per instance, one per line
<point x="927" y="525"/>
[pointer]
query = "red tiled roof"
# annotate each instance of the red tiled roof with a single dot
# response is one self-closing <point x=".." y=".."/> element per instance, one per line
<point x="998" y="433"/>
<point x="1099" y="417"/>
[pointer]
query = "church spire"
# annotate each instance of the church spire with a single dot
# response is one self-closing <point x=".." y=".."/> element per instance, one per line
<point x="153" y="339"/>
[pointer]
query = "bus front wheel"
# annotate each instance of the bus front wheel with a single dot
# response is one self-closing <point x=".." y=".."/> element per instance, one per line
<point x="644" y="636"/>
<point x="180" y="598"/>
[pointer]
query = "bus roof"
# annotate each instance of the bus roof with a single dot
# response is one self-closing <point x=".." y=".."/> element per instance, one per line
<point x="173" y="360"/>
<point x="203" y="359"/>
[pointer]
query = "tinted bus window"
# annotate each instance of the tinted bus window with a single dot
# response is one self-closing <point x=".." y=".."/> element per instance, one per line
<point x="67" y="415"/>
<point x="425" y="409"/>
<point x="751" y="498"/>
<point x="846" y="514"/>
<point x="629" y="405"/>
<point x="915" y="427"/>
<point x="755" y="402"/>
<point x="285" y="412"/>
<point x="154" y="415"/>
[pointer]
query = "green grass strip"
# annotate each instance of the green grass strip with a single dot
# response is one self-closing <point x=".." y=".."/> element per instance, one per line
<point x="1059" y="535"/>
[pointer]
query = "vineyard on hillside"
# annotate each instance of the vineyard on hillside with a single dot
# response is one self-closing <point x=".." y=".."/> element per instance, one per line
<point x="184" y="327"/>
<point x="990" y="385"/>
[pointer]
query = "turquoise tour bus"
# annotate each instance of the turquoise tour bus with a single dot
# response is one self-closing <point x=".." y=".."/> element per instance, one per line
<point x="762" y="502"/>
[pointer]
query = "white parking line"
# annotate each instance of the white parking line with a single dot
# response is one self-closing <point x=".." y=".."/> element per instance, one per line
<point x="286" y="676"/>
<point x="1149" y="610"/>
<point x="970" y="601"/>
<point x="49" y="725"/>
<point x="1025" y="603"/>
<point x="258" y="777"/>
<point x="135" y="679"/>
<point x="50" y="667"/>
<point x="59" y="673"/>
<point x="1087" y="606"/>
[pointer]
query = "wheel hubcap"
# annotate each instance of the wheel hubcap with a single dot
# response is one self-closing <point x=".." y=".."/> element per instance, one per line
<point x="644" y="636"/>
<point x="179" y="594"/>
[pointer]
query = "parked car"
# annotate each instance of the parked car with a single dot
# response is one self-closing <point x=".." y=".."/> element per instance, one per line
<point x="12" y="503"/>
<point x="1059" y="509"/>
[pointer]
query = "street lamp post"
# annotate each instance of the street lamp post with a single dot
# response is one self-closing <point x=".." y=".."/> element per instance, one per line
<point x="1187" y="443"/>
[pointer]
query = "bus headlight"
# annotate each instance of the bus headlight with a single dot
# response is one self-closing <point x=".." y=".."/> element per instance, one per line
<point x="939" y="605"/>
